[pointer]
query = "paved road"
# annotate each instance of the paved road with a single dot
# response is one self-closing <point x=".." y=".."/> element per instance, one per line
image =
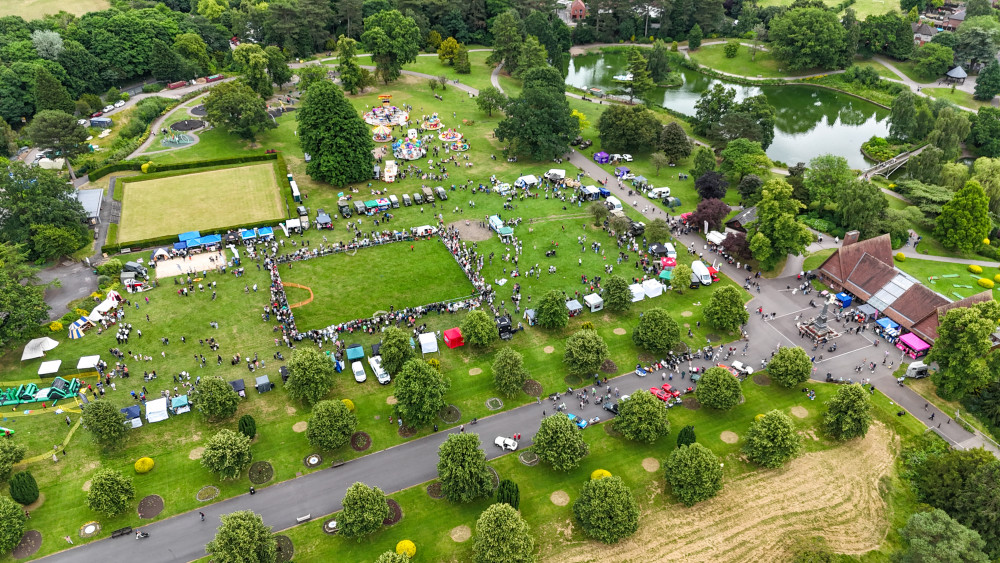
<point x="76" y="280"/>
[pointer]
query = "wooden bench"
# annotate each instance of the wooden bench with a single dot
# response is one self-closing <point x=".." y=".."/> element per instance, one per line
<point x="122" y="532"/>
<point x="305" y="518"/>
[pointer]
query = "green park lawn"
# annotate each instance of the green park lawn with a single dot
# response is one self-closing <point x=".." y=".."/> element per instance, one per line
<point x="863" y="8"/>
<point x="929" y="244"/>
<point x="816" y="259"/>
<point x="764" y="65"/>
<point x="879" y="68"/>
<point x="958" y="97"/>
<point x="910" y="70"/>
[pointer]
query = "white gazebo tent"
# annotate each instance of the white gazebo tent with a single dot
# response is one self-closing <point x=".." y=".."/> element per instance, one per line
<point x="428" y="343"/>
<point x="156" y="410"/>
<point x="652" y="288"/>
<point x="638" y="294"/>
<point x="88" y="363"/>
<point x="38" y="347"/>
<point x="48" y="368"/>
<point x="594" y="301"/>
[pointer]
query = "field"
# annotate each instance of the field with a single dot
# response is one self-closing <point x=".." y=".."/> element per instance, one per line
<point x="34" y="9"/>
<point x="764" y="65"/>
<point x="356" y="285"/>
<point x="863" y="8"/>
<point x="924" y="269"/>
<point x="200" y="201"/>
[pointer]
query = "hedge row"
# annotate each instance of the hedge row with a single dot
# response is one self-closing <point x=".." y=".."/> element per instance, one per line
<point x="137" y="165"/>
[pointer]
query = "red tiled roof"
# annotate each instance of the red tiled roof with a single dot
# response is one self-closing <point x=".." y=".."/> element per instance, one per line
<point x="914" y="305"/>
<point x="841" y="263"/>
<point x="868" y="276"/>
<point x="926" y="328"/>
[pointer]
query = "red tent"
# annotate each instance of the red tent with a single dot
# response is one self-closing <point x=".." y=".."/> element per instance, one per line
<point x="667" y="262"/>
<point x="453" y="338"/>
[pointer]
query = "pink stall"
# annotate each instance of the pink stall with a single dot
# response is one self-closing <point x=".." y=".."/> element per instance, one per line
<point x="912" y="345"/>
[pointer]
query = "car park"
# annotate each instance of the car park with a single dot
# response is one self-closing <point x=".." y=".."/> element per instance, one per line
<point x="359" y="372"/>
<point x="505" y="443"/>
<point x="380" y="374"/>
<point x="659" y="393"/>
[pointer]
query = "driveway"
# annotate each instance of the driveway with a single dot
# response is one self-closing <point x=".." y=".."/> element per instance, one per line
<point x="76" y="281"/>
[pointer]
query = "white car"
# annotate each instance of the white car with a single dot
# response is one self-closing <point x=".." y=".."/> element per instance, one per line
<point x="82" y="122"/>
<point x="108" y="108"/>
<point x="505" y="443"/>
<point x="628" y="176"/>
<point x="627" y="157"/>
<point x="359" y="372"/>
<point x="380" y="374"/>
<point x="121" y="103"/>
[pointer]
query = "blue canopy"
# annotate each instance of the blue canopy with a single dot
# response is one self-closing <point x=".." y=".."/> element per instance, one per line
<point x="188" y="235"/>
<point x="211" y="239"/>
<point x="178" y="402"/>
<point x="193" y="242"/>
<point x="355" y="353"/>
<point x="180" y="245"/>
<point x="886" y="323"/>
<point x="131" y="412"/>
<point x="247" y="233"/>
<point x="265" y="232"/>
<point x="844" y="299"/>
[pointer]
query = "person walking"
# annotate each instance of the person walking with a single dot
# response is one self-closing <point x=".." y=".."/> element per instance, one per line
<point x="202" y="514"/>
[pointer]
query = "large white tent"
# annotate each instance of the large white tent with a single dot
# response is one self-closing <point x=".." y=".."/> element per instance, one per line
<point x="594" y="301"/>
<point x="156" y="410"/>
<point x="652" y="288"/>
<point x="48" y="368"/>
<point x="88" y="362"/>
<point x="109" y="303"/>
<point x="38" y="347"/>
<point x="638" y="294"/>
<point x="428" y="343"/>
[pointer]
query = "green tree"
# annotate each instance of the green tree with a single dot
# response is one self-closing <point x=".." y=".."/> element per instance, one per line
<point x="827" y="176"/>
<point x="50" y="94"/>
<point x="742" y="157"/>
<point x="364" y="510"/>
<point x="726" y="310"/>
<point x="628" y="128"/>
<point x="490" y="99"/>
<point x="462" y="64"/>
<point x="858" y="208"/>
<point x="749" y="189"/>
<point x="12" y="523"/>
<point x="718" y="389"/>
<point x="657" y="332"/>
<point x="48" y="44"/>
<point x="776" y="233"/>
<point x="508" y="492"/>
<point x="215" y="398"/>
<point x="253" y="62"/>
<point x="659" y="61"/>
<point x="539" y="123"/>
<point x="331" y="425"/>
<point x="23" y="487"/>
<point x="600" y="212"/>
<point x="975" y="8"/>
<point x="771" y="440"/>
<point x="976" y="506"/>
<point x="986" y="171"/>
<point x="551" y="312"/>
<point x="509" y="373"/>
<point x="680" y="277"/>
<point x="988" y="81"/>
<point x="926" y="166"/>
<point x="985" y="135"/>
<point x="309" y="75"/>
<point x="227" y="453"/>
<point x="503" y="535"/>
<point x="8" y="140"/>
<point x="617" y="296"/>
<point x="51" y="242"/>
<point x="809" y="38"/>
<point x="935" y="536"/>
<point x="448" y="50"/>
<point x="247" y="426"/>
<point x="395" y="349"/>
<point x="976" y="40"/>
<point x="310" y="375"/>
<point x="462" y="468"/>
<point x="420" y="390"/>
<point x="889" y="34"/>
<point x="963" y="350"/>
<point x="243" y="537"/>
<point x="964" y="221"/>
<point x="903" y="117"/>
<point x="277" y="66"/>
<point x="710" y="108"/>
<point x="559" y="443"/>
<point x="479" y="329"/>
<point x="694" y="474"/>
<point x="347" y="67"/>
<point x="105" y="422"/>
<point x="951" y="128"/>
<point x="606" y="510"/>
<point x="848" y="413"/>
<point x="585" y="352"/>
<point x="533" y="55"/>
<point x="192" y="48"/>
<point x="59" y="131"/>
<point x="704" y="161"/>
<point x="944" y="475"/>
<point x="657" y="231"/>
<point x="237" y="108"/>
<point x="640" y="83"/>
<point x="686" y="436"/>
<point x="694" y="38"/>
<point x="507" y="40"/>
<point x="110" y="492"/>
<point x="393" y="40"/>
<point x="931" y="59"/>
<point x="335" y="136"/>
<point x="11" y="453"/>
<point x="674" y="143"/>
<point x="642" y="417"/>
<point x="790" y="366"/>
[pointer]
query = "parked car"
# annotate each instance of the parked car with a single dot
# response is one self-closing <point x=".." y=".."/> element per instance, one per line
<point x="628" y="176"/>
<point x="505" y="443"/>
<point x="611" y="407"/>
<point x="586" y="143"/>
<point x="667" y="388"/>
<point x="380" y="374"/>
<point x="576" y="141"/>
<point x="359" y="372"/>
<point x="108" y="108"/>
<point x="729" y="369"/>
<point x="742" y="368"/>
<point x="97" y="114"/>
<point x="659" y="393"/>
<point x="82" y="122"/>
<point x="581" y="423"/>
<point x="120" y="104"/>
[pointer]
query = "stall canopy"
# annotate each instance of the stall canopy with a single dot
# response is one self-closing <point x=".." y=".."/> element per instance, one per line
<point x="666" y="274"/>
<point x="601" y="157"/>
<point x="428" y="343"/>
<point x="50" y="367"/>
<point x="590" y="192"/>
<point x="668" y="262"/>
<point x="132" y="412"/>
<point x="38" y="347"/>
<point x="265" y="232"/>
<point x="886" y="323"/>
<point x="715" y="237"/>
<point x="453" y="338"/>
<point x="652" y="288"/>
<point x="867" y="310"/>
<point x="657" y="249"/>
<point x="371" y="204"/>
<point x="180" y="405"/>
<point x="88" y="362"/>
<point x="180" y="245"/>
<point x="638" y="293"/>
<point x="188" y="235"/>
<point x="211" y="239"/>
<point x="263" y="384"/>
<point x="240" y="387"/>
<point x="913" y="342"/>
<point x="156" y="410"/>
<point x="573" y="306"/>
<point x="355" y="352"/>
<point x="247" y="234"/>
<point x="622" y="170"/>
<point x="845" y="299"/>
<point x="160" y="254"/>
<point x="593" y="301"/>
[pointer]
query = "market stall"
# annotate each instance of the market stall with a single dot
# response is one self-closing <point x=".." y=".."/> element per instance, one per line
<point x="156" y="410"/>
<point x="37" y="348"/>
<point x="865" y="313"/>
<point x="652" y="288"/>
<point x="428" y="343"/>
<point x="887" y="329"/>
<point x="573" y="307"/>
<point x="50" y="367"/>
<point x="638" y="293"/>
<point x="845" y="299"/>
<point x="453" y="338"/>
<point x="913" y="346"/>
<point x="594" y="302"/>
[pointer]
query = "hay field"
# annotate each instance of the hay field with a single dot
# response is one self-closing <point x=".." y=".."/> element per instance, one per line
<point x="200" y="201"/>
<point x="34" y="9"/>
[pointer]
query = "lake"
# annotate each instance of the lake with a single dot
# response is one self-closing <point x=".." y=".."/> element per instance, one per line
<point x="809" y="122"/>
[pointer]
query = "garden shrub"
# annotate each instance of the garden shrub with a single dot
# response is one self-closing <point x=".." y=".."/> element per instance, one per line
<point x="247" y="426"/>
<point x="349" y="404"/>
<point x="406" y="547"/>
<point x="879" y="149"/>
<point x="23" y="487"/>
<point x="975" y="269"/>
<point x="55" y="326"/>
<point x="435" y="363"/>
<point x="986" y="282"/>
<point x="599" y="474"/>
<point x="144" y="465"/>
<point x="996" y="278"/>
<point x="82" y="312"/>
<point x="587" y="325"/>
<point x="113" y="267"/>
<point x="900" y="257"/>
<point x="103" y="280"/>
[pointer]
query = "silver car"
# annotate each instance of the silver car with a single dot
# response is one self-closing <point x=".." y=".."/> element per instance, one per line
<point x="359" y="372"/>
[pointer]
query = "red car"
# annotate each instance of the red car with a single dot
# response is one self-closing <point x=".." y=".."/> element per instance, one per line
<point x="670" y="390"/>
<point x="97" y="114"/>
<point x="659" y="393"/>
<point x="730" y="370"/>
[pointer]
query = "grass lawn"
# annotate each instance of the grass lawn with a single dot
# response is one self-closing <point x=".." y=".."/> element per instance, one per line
<point x="200" y="201"/>
<point x="815" y="259"/>
<point x="354" y="285"/>
<point x="929" y="244"/>
<point x="910" y="70"/>
<point x="957" y="97"/>
<point x="863" y="8"/>
<point x="879" y="68"/>
<point x="35" y="9"/>
<point x="764" y="65"/>
<point x="924" y="269"/>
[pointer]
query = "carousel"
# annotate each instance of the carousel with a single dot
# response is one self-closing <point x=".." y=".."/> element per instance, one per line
<point x="408" y="149"/>
<point x="381" y="134"/>
<point x="450" y="136"/>
<point x="433" y="123"/>
<point x="459" y="146"/>
<point x="387" y="116"/>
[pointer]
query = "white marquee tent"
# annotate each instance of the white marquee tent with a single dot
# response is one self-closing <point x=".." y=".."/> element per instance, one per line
<point x="109" y="303"/>
<point x="594" y="301"/>
<point x="88" y="362"/>
<point x="156" y="410"/>
<point x="638" y="294"/>
<point x="428" y="343"/>
<point x="38" y="347"/>
<point x="652" y="288"/>
<point x="48" y="368"/>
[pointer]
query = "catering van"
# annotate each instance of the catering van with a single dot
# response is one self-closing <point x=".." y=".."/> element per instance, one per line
<point x="701" y="270"/>
<point x="659" y="193"/>
<point x="671" y="251"/>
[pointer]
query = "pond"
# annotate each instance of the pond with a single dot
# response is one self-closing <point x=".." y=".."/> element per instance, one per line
<point x="810" y="121"/>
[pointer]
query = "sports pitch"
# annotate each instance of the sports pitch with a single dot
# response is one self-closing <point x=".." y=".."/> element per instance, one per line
<point x="200" y="201"/>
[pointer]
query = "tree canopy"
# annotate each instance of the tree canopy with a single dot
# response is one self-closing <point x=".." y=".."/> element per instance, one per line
<point x="105" y="422"/>
<point x="420" y="393"/>
<point x="848" y="413"/>
<point x="809" y="38"/>
<point x="393" y="40"/>
<point x="237" y="108"/>
<point x="364" y="510"/>
<point x="462" y="468"/>
<point x="539" y="122"/>
<point x="479" y="329"/>
<point x="963" y="349"/>
<point x="790" y="366"/>
<point x="509" y="373"/>
<point x="330" y="425"/>
<point x="215" y="398"/>
<point x="551" y="311"/>
<point x="503" y="535"/>
<point x="243" y="537"/>
<point x="694" y="473"/>
<point x="725" y="309"/>
<point x="310" y="375"/>
<point x="776" y="232"/>
<point x="110" y="493"/>
<point x="625" y="128"/>
<point x="334" y="135"/>
<point x="642" y="417"/>
<point x="227" y="453"/>
<point x="559" y="443"/>
<point x="964" y="221"/>
<point x="607" y="510"/>
<point x="395" y="349"/>
<point x="657" y="332"/>
<point x="771" y="440"/>
<point x="617" y="296"/>
<point x="585" y="352"/>
<point x="935" y="536"/>
<point x="12" y="523"/>
<point x="719" y="389"/>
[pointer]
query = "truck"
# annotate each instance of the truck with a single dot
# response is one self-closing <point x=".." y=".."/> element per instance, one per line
<point x="428" y="194"/>
<point x="303" y="212"/>
<point x="701" y="270"/>
<point x="344" y="206"/>
<point x="394" y="201"/>
<point x="136" y="267"/>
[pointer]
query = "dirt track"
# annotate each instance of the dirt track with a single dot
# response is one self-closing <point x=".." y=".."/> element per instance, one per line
<point x="833" y="494"/>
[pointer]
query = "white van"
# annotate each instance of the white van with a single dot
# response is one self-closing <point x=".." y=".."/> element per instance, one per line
<point x="699" y="269"/>
<point x="555" y="174"/>
<point x="380" y="374"/>
<point x="671" y="251"/>
<point x="659" y="193"/>
<point x="613" y="203"/>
